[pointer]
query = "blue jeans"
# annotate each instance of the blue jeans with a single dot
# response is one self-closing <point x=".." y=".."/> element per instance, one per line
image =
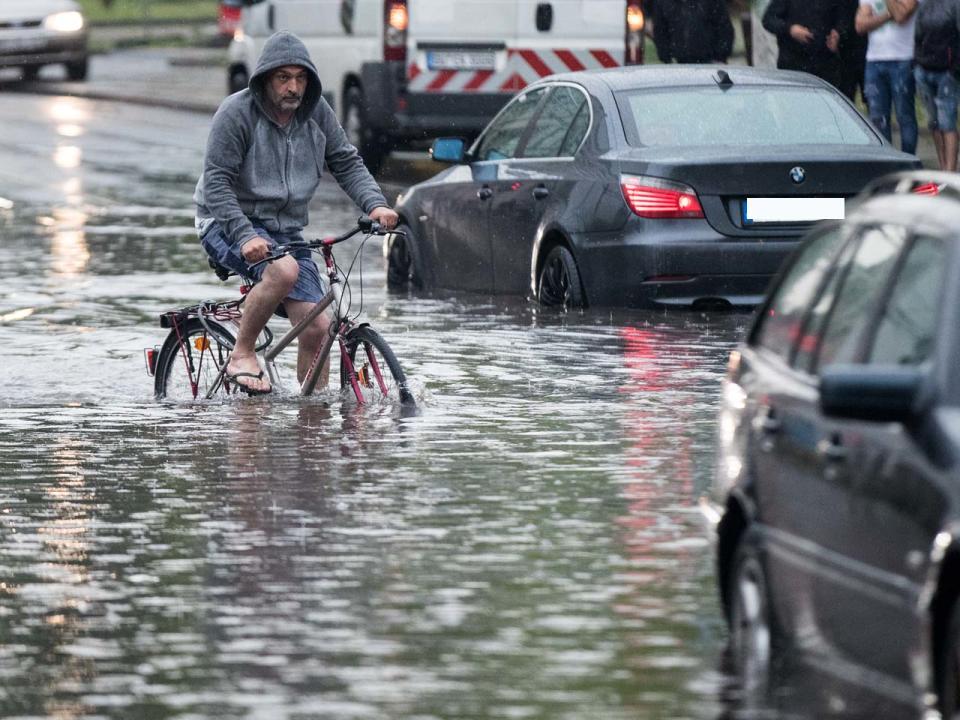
<point x="938" y="90"/>
<point x="890" y="82"/>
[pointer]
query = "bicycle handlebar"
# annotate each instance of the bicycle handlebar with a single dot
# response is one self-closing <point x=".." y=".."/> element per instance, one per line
<point x="364" y="225"/>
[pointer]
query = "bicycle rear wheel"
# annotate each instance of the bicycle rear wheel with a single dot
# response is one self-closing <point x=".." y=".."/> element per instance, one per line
<point x="377" y="376"/>
<point x="190" y="361"/>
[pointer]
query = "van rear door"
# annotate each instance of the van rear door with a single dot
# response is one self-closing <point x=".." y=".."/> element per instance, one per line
<point x="501" y="46"/>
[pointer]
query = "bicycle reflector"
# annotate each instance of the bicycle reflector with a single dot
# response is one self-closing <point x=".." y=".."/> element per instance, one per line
<point x="201" y="343"/>
<point x="150" y="356"/>
<point x="656" y="198"/>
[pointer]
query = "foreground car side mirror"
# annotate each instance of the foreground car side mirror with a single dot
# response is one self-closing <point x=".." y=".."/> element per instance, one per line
<point x="884" y="393"/>
<point x="448" y="150"/>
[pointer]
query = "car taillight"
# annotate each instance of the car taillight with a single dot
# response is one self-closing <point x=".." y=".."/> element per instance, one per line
<point x="656" y="198"/>
<point x="395" y="22"/>
<point x="926" y="189"/>
<point x="633" y="38"/>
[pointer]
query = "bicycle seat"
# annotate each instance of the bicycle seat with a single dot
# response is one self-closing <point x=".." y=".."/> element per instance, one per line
<point x="222" y="272"/>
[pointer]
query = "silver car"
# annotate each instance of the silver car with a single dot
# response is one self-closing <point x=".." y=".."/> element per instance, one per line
<point x="34" y="33"/>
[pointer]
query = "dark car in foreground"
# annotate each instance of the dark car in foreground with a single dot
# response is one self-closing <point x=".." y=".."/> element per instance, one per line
<point x="670" y="185"/>
<point x="836" y="502"/>
<point x="35" y="33"/>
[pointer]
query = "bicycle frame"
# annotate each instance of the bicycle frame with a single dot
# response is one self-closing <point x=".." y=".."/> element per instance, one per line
<point x="339" y="328"/>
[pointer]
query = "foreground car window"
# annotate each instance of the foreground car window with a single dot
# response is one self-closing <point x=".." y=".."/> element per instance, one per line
<point x="779" y="328"/>
<point x="907" y="329"/>
<point x="860" y="293"/>
<point x="503" y="135"/>
<point x="766" y="115"/>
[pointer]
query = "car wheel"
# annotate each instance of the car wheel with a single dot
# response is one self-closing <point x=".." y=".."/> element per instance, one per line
<point x="237" y="80"/>
<point x="751" y="628"/>
<point x="401" y="261"/>
<point x="77" y="71"/>
<point x="372" y="148"/>
<point x="949" y="682"/>
<point x="559" y="282"/>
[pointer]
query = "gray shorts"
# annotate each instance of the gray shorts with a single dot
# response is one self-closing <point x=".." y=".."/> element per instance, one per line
<point x="310" y="286"/>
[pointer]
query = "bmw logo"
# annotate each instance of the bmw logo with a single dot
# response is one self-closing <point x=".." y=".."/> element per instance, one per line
<point x="798" y="175"/>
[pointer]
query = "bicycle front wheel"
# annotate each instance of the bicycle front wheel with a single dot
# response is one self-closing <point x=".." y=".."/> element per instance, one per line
<point x="370" y="371"/>
<point x="190" y="361"/>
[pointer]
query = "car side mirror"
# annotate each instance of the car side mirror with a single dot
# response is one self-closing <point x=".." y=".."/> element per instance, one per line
<point x="448" y="150"/>
<point x="883" y="393"/>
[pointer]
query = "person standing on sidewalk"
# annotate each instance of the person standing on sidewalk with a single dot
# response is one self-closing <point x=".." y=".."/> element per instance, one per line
<point x="692" y="31"/>
<point x="808" y="35"/>
<point x="937" y="58"/>
<point x="853" y="55"/>
<point x="889" y="27"/>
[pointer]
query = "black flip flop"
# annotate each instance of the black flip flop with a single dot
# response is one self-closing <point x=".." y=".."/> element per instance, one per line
<point x="248" y="390"/>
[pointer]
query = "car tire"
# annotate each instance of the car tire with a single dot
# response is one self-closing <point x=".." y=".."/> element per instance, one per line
<point x="751" y="642"/>
<point x="77" y="71"/>
<point x="237" y="79"/>
<point x="559" y="282"/>
<point x="402" y="262"/>
<point x="372" y="148"/>
<point x="948" y="682"/>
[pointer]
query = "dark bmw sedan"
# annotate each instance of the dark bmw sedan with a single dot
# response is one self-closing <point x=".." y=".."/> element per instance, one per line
<point x="639" y="186"/>
<point x="836" y="503"/>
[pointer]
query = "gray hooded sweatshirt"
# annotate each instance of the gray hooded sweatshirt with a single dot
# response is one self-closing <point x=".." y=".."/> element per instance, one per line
<point x="256" y="172"/>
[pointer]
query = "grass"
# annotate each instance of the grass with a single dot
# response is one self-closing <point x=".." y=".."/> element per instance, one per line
<point x="138" y="11"/>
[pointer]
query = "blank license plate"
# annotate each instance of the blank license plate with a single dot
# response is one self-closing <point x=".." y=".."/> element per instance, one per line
<point x="786" y="210"/>
<point x="460" y="60"/>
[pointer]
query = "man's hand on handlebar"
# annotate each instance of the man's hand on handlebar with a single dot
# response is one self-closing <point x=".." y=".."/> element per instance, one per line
<point x="255" y="250"/>
<point x="385" y="216"/>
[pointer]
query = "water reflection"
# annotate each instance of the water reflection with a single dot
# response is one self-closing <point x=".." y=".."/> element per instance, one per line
<point x="525" y="546"/>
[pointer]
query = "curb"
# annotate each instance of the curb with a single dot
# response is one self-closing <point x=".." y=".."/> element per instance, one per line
<point x="158" y="102"/>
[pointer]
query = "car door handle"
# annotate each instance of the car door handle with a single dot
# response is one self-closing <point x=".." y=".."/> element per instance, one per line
<point x="832" y="449"/>
<point x="540" y="192"/>
<point x="485" y="193"/>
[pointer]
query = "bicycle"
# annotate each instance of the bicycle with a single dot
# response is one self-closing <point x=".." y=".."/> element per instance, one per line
<point x="192" y="361"/>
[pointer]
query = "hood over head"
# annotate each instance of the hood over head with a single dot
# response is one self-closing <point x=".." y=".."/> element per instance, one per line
<point x="284" y="48"/>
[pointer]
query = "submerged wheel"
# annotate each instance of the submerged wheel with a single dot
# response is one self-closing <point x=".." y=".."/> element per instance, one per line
<point x="379" y="377"/>
<point x="751" y="629"/>
<point x="194" y="356"/>
<point x="372" y="148"/>
<point x="401" y="261"/>
<point x="77" y="71"/>
<point x="948" y="685"/>
<point x="237" y="79"/>
<point x="559" y="283"/>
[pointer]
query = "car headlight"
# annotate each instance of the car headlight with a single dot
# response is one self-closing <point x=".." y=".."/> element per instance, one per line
<point x="65" y="22"/>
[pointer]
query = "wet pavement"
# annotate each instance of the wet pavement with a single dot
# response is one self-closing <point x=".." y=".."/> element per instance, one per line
<point x="526" y="546"/>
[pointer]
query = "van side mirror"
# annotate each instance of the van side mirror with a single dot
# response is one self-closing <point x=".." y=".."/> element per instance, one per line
<point x="883" y="393"/>
<point x="448" y="150"/>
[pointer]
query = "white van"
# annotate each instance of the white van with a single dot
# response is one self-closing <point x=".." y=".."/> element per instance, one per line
<point x="401" y="70"/>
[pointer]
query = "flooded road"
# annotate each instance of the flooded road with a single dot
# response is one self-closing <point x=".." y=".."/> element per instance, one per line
<point x="527" y="546"/>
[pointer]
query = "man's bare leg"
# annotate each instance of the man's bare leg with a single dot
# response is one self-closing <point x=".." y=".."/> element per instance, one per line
<point x="309" y="340"/>
<point x="276" y="283"/>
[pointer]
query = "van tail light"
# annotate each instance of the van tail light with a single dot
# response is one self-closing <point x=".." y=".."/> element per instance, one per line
<point x="395" y="22"/>
<point x="655" y="198"/>
<point x="929" y="188"/>
<point x="633" y="37"/>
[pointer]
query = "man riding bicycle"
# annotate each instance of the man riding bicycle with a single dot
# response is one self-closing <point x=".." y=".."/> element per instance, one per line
<point x="264" y="158"/>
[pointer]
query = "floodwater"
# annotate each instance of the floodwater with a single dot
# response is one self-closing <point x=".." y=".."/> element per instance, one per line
<point x="527" y="545"/>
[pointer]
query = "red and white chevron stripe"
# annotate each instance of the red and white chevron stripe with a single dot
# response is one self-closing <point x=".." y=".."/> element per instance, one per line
<point x="523" y="67"/>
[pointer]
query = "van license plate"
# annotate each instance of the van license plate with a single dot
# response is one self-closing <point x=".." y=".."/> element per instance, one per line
<point x="460" y="60"/>
<point x="787" y="210"/>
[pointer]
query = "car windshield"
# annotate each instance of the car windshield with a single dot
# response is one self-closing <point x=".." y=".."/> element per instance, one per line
<point x="756" y="115"/>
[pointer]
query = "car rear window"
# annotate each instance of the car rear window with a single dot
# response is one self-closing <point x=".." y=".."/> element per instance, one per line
<point x="755" y="115"/>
